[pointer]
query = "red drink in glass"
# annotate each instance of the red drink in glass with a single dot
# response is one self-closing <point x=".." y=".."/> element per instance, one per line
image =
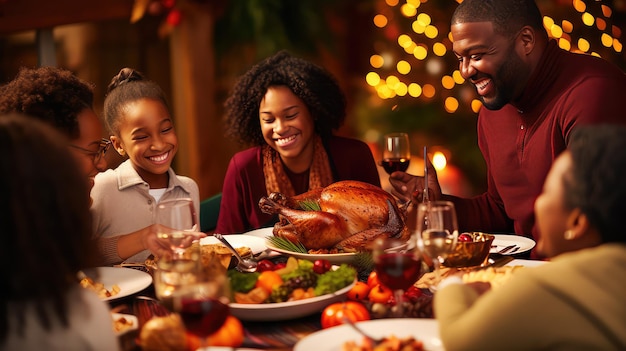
<point x="395" y="164"/>
<point x="398" y="271"/>
<point x="203" y="316"/>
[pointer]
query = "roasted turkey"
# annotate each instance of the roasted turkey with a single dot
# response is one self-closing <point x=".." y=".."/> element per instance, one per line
<point x="351" y="215"/>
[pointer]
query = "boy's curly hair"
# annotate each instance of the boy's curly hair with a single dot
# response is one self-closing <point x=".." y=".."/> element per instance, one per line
<point x="51" y="94"/>
<point x="315" y="86"/>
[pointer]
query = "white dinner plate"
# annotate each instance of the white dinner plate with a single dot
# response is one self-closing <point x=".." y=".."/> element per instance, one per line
<point x="132" y="323"/>
<point x="129" y="280"/>
<point x="286" y="310"/>
<point x="526" y="263"/>
<point x="255" y="243"/>
<point x="261" y="232"/>
<point x="332" y="339"/>
<point x="503" y="240"/>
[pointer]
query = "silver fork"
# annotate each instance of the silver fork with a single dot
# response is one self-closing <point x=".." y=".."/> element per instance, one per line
<point x="509" y="248"/>
<point x="374" y="341"/>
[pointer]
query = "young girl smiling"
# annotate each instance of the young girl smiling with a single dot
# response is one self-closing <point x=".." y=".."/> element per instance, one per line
<point x="138" y="116"/>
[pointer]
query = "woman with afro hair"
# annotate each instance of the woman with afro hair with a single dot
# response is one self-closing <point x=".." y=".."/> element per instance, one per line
<point x="286" y="108"/>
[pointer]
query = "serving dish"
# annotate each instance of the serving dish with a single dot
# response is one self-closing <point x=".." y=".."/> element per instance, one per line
<point x="472" y="253"/>
<point x="334" y="258"/>
<point x="287" y="310"/>
<point x="337" y="258"/>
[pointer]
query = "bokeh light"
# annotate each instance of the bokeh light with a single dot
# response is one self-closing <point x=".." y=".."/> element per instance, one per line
<point x="380" y="21"/>
<point x="439" y="161"/>
<point x="416" y="59"/>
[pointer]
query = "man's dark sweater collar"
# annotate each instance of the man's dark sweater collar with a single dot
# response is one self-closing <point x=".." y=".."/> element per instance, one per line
<point x="540" y="82"/>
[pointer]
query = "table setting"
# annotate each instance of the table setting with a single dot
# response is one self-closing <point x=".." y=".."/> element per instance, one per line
<point x="291" y="297"/>
<point x="284" y="326"/>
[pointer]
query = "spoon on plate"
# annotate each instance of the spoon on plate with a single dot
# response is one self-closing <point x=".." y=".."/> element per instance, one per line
<point x="243" y="264"/>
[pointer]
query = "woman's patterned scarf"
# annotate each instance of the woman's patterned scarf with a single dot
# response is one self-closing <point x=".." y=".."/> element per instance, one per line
<point x="276" y="179"/>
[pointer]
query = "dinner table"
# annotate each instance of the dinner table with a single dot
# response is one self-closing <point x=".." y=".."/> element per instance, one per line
<point x="273" y="335"/>
<point x="262" y="335"/>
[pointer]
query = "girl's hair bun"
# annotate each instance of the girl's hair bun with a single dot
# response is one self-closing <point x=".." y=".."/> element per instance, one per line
<point x="126" y="75"/>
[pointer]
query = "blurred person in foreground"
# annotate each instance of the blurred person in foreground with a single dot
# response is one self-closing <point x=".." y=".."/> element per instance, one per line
<point x="575" y="302"/>
<point x="64" y="101"/>
<point x="46" y="241"/>
<point x="287" y="108"/>
<point x="533" y="95"/>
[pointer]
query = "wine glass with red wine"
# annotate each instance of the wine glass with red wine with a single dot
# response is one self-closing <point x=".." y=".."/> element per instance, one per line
<point x="396" y="152"/>
<point x="203" y="307"/>
<point x="398" y="265"/>
<point x="184" y="287"/>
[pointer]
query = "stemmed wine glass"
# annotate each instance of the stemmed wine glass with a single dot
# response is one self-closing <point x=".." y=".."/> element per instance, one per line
<point x="185" y="287"/>
<point x="437" y="232"/>
<point x="178" y="224"/>
<point x="396" y="152"/>
<point x="398" y="265"/>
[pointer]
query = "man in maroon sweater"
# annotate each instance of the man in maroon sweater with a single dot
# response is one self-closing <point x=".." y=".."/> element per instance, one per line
<point x="534" y="94"/>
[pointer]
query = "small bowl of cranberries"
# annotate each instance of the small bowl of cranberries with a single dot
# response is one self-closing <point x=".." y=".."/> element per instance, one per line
<point x="472" y="250"/>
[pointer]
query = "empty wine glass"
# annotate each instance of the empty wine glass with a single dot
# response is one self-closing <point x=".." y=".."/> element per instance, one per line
<point x="396" y="152"/>
<point x="178" y="224"/>
<point x="437" y="232"/>
<point x="398" y="266"/>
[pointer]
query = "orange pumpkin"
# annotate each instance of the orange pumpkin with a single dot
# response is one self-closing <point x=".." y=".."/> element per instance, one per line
<point x="380" y="293"/>
<point x="359" y="291"/>
<point x="335" y="313"/>
<point x="229" y="335"/>
<point x="372" y="279"/>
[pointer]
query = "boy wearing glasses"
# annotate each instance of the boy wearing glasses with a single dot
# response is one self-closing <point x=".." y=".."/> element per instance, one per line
<point x="64" y="101"/>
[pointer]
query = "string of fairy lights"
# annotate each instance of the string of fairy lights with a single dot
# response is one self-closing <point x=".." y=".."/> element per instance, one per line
<point x="416" y="67"/>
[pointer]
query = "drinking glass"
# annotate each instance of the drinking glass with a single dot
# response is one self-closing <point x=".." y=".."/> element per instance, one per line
<point x="396" y="152"/>
<point x="201" y="299"/>
<point x="398" y="266"/>
<point x="437" y="232"/>
<point x="178" y="225"/>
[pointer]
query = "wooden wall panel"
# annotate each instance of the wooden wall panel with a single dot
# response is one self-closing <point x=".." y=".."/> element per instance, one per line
<point x="21" y="15"/>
